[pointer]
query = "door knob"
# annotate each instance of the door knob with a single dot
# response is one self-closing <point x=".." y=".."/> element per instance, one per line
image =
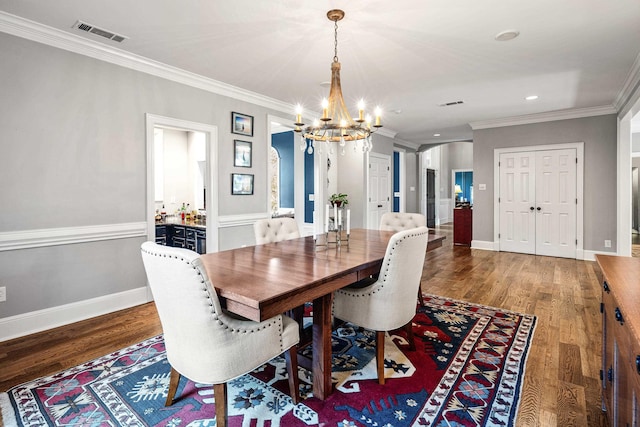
<point x="379" y="206"/>
<point x="539" y="208"/>
<point x="531" y="208"/>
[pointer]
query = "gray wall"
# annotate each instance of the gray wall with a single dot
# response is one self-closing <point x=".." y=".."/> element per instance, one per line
<point x="73" y="153"/>
<point x="599" y="135"/>
<point x="412" y="179"/>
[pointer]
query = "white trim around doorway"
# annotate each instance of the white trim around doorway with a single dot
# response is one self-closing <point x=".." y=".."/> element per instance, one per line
<point x="211" y="132"/>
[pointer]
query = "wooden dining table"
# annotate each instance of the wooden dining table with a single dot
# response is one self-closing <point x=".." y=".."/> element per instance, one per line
<point x="259" y="282"/>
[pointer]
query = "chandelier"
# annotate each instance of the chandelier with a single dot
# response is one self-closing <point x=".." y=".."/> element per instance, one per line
<point x="336" y="125"/>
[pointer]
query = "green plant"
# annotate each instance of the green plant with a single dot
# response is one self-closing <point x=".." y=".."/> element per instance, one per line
<point x="339" y="199"/>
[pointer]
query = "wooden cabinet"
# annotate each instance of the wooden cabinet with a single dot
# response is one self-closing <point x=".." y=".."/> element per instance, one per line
<point x="620" y="372"/>
<point x="462" y="220"/>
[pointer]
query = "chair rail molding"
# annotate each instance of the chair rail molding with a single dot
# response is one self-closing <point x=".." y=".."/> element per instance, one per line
<point x="26" y="239"/>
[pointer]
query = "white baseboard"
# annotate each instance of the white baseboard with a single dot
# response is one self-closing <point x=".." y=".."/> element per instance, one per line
<point x="41" y="320"/>
<point x="591" y="255"/>
<point x="580" y="254"/>
<point x="480" y="244"/>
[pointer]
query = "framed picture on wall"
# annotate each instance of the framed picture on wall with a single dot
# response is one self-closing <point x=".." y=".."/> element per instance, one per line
<point x="241" y="124"/>
<point x="241" y="184"/>
<point x="242" y="156"/>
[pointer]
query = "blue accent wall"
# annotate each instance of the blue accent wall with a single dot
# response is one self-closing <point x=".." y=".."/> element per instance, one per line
<point x="283" y="143"/>
<point x="308" y="186"/>
<point x="465" y="181"/>
<point x="396" y="181"/>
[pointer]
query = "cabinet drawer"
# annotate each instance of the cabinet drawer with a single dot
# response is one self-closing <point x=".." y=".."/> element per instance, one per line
<point x="179" y="242"/>
<point x="179" y="232"/>
<point x="191" y="233"/>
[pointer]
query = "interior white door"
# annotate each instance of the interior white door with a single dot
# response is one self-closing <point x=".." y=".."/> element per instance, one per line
<point x="517" y="202"/>
<point x="556" y="203"/>
<point x="379" y="188"/>
<point x="538" y="213"/>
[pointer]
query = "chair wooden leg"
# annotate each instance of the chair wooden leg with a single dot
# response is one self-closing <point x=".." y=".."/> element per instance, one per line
<point x="220" y="395"/>
<point x="420" y="298"/>
<point x="409" y="330"/>
<point x="174" y="380"/>
<point x="297" y="314"/>
<point x="291" y="356"/>
<point x="380" y="356"/>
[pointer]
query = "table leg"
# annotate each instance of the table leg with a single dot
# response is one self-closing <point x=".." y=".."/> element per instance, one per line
<point x="322" y="386"/>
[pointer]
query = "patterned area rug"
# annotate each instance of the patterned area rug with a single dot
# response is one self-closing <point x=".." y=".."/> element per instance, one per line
<point x="467" y="370"/>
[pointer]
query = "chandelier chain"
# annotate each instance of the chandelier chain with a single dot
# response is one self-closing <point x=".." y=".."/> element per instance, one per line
<point x="335" y="41"/>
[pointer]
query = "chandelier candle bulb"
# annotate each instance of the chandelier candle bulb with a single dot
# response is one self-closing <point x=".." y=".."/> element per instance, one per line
<point x="361" y="111"/>
<point x="298" y="118"/>
<point x="378" y="114"/>
<point x="325" y="110"/>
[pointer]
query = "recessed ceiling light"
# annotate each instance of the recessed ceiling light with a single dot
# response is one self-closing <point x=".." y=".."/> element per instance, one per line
<point x="507" y="35"/>
<point x="531" y="97"/>
<point x="398" y="111"/>
<point x="436" y="134"/>
<point x="325" y="84"/>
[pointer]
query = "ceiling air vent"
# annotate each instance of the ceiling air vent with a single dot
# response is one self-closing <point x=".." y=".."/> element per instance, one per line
<point x="83" y="26"/>
<point x="449" y="104"/>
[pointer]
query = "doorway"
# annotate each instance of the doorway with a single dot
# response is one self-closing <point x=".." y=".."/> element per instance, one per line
<point x="462" y="186"/>
<point x="205" y="191"/>
<point x="431" y="198"/>
<point x="379" y="197"/>
<point x="287" y="173"/>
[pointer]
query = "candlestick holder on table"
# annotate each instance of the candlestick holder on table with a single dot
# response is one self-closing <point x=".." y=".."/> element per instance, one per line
<point x="337" y="227"/>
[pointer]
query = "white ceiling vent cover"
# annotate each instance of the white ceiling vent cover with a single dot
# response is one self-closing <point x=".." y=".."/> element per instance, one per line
<point x="83" y="26"/>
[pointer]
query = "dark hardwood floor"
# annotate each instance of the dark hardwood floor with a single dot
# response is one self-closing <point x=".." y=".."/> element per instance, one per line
<point x="561" y="386"/>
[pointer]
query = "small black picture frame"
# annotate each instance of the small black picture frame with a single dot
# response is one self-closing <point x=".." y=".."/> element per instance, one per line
<point x="241" y="184"/>
<point x="241" y="124"/>
<point x="242" y="153"/>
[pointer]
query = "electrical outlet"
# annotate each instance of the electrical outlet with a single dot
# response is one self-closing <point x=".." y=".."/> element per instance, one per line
<point x="607" y="243"/>
<point x="3" y="293"/>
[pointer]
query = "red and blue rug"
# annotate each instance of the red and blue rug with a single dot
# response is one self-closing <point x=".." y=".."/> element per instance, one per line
<point x="467" y="370"/>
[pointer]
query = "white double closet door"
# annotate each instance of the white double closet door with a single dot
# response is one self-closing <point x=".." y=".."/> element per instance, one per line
<point x="538" y="202"/>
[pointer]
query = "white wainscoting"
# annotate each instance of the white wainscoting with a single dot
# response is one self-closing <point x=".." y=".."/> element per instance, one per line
<point x="445" y="211"/>
<point x="225" y="221"/>
<point x="41" y="320"/>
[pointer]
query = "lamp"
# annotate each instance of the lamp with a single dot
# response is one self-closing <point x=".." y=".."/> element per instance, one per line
<point x="336" y="125"/>
<point x="458" y="191"/>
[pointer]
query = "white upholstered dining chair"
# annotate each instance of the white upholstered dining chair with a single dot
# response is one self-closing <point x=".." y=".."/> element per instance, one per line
<point x="275" y="230"/>
<point x="398" y="221"/>
<point x="388" y="303"/>
<point x="203" y="342"/>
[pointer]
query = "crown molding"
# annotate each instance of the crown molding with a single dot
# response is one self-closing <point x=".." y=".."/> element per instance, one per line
<point x="631" y="86"/>
<point x="548" y="116"/>
<point x="34" y="31"/>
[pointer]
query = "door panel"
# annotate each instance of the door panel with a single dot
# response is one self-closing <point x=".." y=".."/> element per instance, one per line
<point x="556" y="200"/>
<point x="379" y="189"/>
<point x="517" y="221"/>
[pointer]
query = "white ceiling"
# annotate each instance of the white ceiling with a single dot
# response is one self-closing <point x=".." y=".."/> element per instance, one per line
<point x="408" y="55"/>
